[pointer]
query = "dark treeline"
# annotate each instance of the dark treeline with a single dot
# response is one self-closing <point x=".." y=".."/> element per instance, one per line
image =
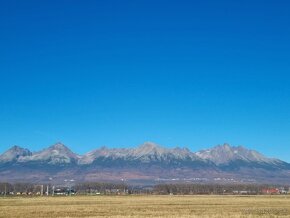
<point x="101" y="188"/>
<point x="188" y="189"/>
<point x="96" y="188"/>
<point x="49" y="189"/>
<point x="6" y="188"/>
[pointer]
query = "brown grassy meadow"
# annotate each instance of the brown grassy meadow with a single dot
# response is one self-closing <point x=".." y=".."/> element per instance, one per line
<point x="145" y="206"/>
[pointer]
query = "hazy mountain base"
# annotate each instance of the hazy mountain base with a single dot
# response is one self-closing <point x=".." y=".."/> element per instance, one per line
<point x="139" y="175"/>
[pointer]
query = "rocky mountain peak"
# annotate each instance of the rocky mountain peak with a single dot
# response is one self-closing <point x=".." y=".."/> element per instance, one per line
<point x="14" y="153"/>
<point x="149" y="148"/>
<point x="55" y="154"/>
<point x="58" y="146"/>
<point x="149" y="145"/>
<point x="224" y="154"/>
<point x="226" y="146"/>
<point x="16" y="148"/>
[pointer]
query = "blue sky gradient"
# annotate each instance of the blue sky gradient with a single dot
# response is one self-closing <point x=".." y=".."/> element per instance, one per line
<point x="118" y="73"/>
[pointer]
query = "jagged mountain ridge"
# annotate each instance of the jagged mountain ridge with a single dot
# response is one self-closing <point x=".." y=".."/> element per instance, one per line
<point x="147" y="162"/>
<point x="224" y="154"/>
<point x="55" y="154"/>
<point x="147" y="152"/>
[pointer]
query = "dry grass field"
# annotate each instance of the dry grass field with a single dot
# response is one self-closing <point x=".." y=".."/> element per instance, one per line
<point x="145" y="206"/>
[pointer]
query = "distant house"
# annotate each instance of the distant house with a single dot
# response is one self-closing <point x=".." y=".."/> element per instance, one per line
<point x="282" y="190"/>
<point x="60" y="191"/>
<point x="64" y="191"/>
<point x="270" y="191"/>
<point x="244" y="192"/>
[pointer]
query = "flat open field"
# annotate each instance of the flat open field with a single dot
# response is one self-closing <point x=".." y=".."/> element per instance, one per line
<point x="146" y="206"/>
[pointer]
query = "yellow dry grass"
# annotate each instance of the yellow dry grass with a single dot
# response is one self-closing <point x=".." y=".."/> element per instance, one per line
<point x="146" y="206"/>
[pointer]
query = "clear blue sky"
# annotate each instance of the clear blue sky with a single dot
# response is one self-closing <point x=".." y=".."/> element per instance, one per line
<point x="118" y="73"/>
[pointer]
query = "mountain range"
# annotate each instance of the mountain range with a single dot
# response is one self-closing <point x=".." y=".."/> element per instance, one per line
<point x="148" y="163"/>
